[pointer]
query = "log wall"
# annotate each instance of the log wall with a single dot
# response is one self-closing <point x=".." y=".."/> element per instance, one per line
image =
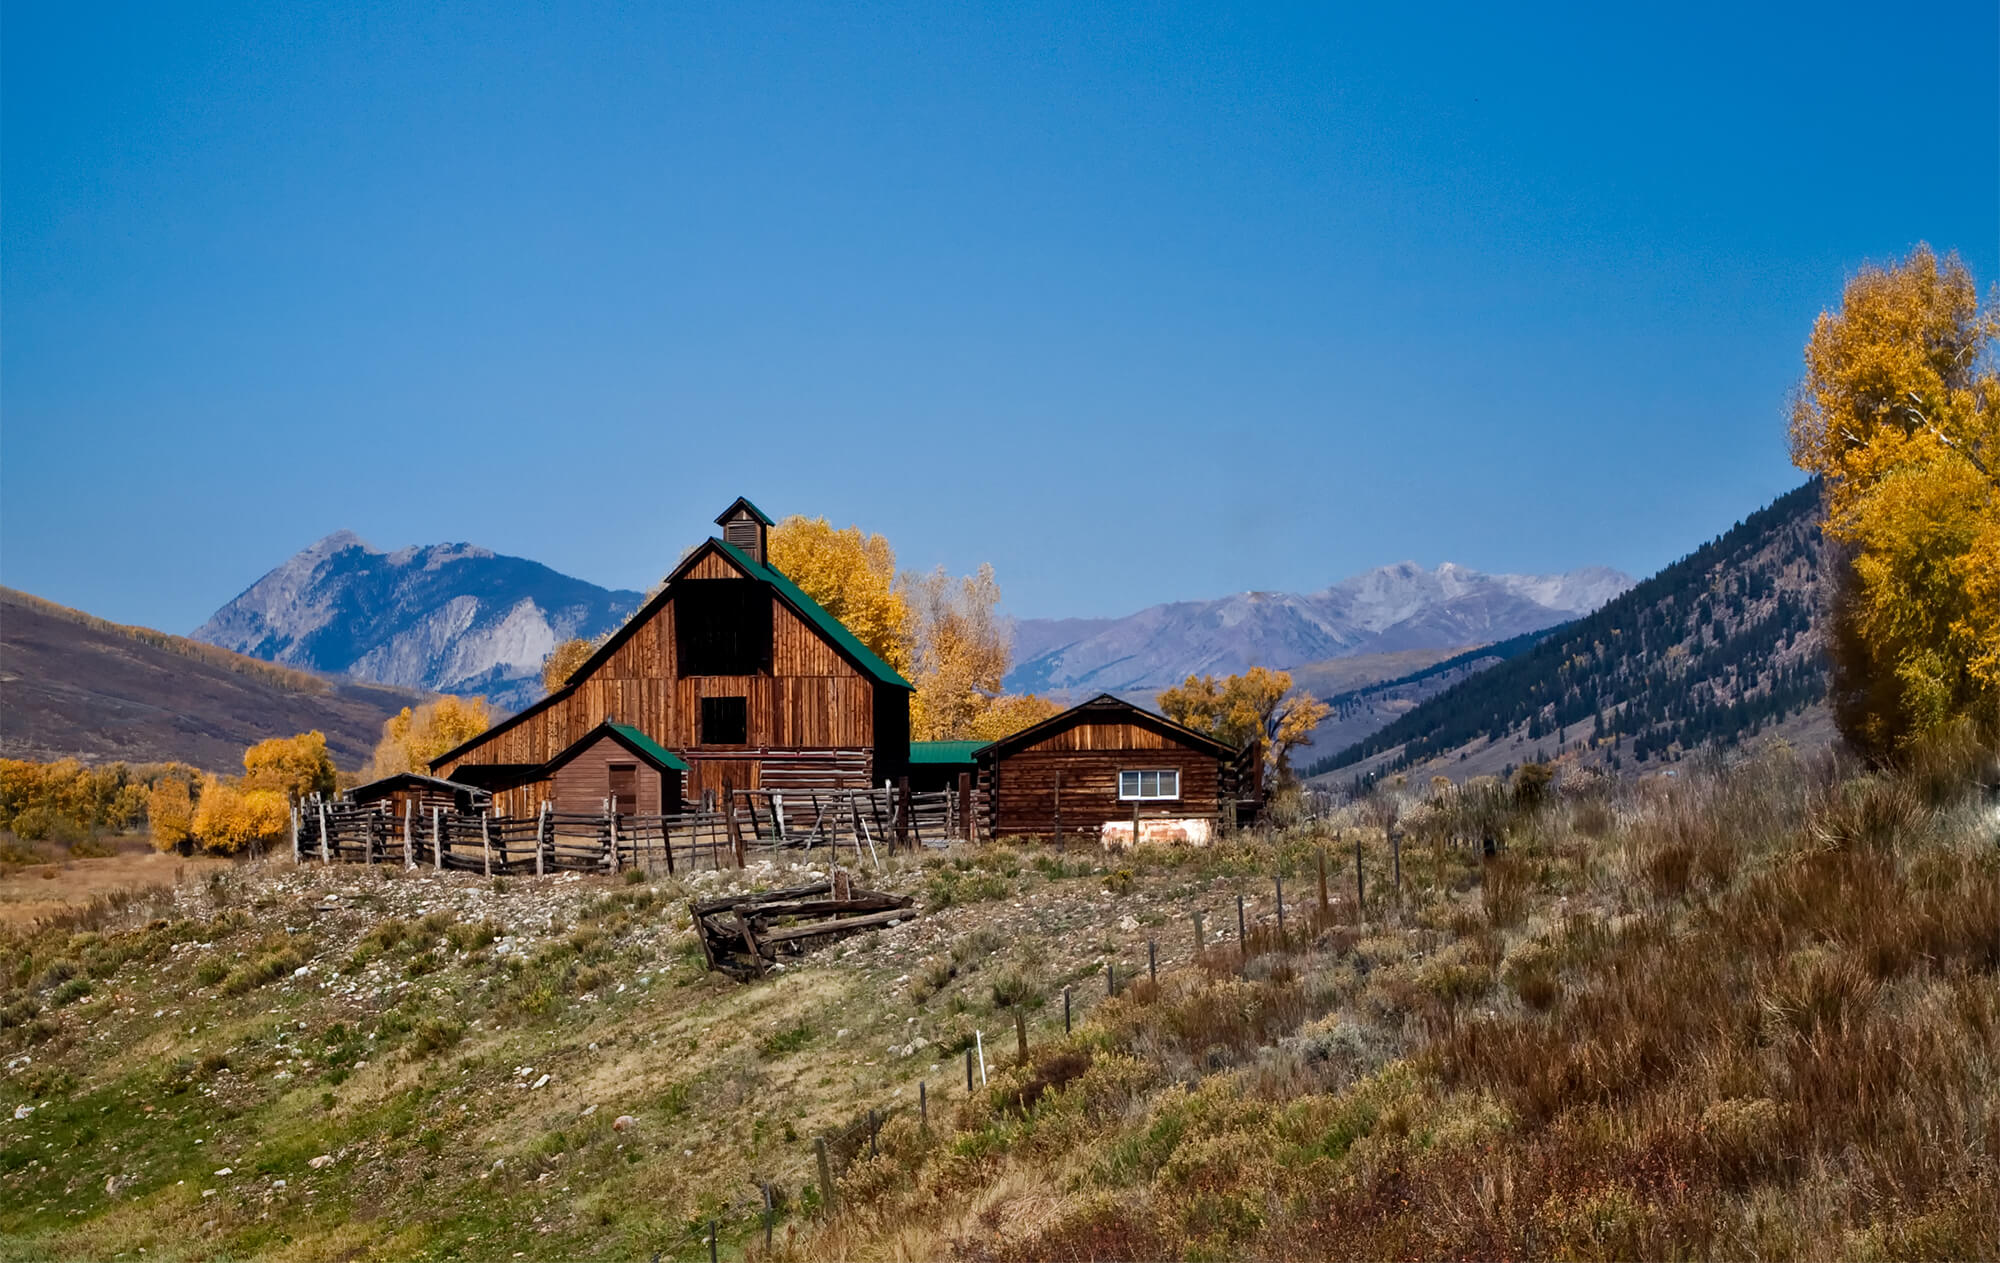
<point x="1021" y="786"/>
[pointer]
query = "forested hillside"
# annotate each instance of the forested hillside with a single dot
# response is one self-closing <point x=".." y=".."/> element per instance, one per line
<point x="1713" y="649"/>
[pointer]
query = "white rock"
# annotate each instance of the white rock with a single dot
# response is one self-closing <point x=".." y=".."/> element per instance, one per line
<point x="540" y="1083"/>
<point x="624" y="1122"/>
<point x="208" y="1192"/>
<point x="227" y="1171"/>
<point x="589" y="1111"/>
<point x="323" y="1160"/>
<point x="22" y="1111"/>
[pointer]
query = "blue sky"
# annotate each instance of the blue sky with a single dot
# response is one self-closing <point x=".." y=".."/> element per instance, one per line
<point x="1135" y="303"/>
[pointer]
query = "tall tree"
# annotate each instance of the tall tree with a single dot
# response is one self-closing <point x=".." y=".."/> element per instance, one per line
<point x="293" y="766"/>
<point x="563" y="660"/>
<point x="852" y="575"/>
<point x="413" y="738"/>
<point x="1256" y="705"/>
<point x="1899" y="412"/>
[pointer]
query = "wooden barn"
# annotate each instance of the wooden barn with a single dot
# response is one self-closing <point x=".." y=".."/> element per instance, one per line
<point x="731" y="670"/>
<point x="1096" y="762"/>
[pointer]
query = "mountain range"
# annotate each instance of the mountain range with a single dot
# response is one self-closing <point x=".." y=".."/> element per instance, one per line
<point x="458" y="619"/>
<point x="1721" y="646"/>
<point x="1387" y="610"/>
<point x="450" y="618"/>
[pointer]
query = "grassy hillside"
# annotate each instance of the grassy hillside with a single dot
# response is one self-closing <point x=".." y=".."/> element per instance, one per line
<point x="1748" y="1014"/>
<point x="75" y="685"/>
<point x="1712" y="650"/>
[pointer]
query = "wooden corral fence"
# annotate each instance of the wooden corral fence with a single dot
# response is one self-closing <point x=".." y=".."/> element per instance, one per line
<point x="859" y="826"/>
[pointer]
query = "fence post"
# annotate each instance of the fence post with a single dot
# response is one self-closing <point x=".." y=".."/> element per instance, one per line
<point x="826" y="1196"/>
<point x="325" y="844"/>
<point x="906" y="816"/>
<point x="1021" y="1034"/>
<point x="777" y="815"/>
<point x="1065" y="1010"/>
<point x="965" y="822"/>
<point x="368" y="838"/>
<point x="1200" y="943"/>
<point x="1153" y="959"/>
<point x="541" y="824"/>
<point x="923" y="1107"/>
<point x="769" y="1215"/>
<point x="437" y="839"/>
<point x="296" y="857"/>
<point x="1135" y="824"/>
<point x="613" y="860"/>
<point x="486" y="842"/>
<point x="1322" y="881"/>
<point x="734" y="830"/>
<point x="968" y="1070"/>
<point x="409" y="847"/>
<point x="1360" y="882"/>
<point x="1110" y="977"/>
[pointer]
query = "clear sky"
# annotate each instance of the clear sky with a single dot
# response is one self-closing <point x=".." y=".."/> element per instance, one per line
<point x="1135" y="303"/>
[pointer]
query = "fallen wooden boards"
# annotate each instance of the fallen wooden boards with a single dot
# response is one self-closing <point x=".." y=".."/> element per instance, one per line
<point x="741" y="935"/>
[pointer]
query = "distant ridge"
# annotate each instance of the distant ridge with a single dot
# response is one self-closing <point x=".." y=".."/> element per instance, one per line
<point x="1717" y="647"/>
<point x="453" y="618"/>
<point x="1391" y="609"/>
<point x="76" y="686"/>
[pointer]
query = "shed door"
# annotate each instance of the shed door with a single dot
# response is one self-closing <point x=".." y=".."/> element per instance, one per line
<point x="624" y="788"/>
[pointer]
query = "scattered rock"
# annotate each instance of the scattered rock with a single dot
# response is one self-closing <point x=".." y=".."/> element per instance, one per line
<point x="539" y="1083"/>
<point x="323" y="1160"/>
<point x="624" y="1122"/>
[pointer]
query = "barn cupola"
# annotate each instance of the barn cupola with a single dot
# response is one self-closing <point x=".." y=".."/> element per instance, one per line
<point x="743" y="526"/>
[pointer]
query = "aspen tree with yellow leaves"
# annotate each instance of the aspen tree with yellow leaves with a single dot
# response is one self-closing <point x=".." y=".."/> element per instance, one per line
<point x="1899" y="413"/>
<point x="852" y="574"/>
<point x="1256" y="705"/>
<point x="413" y="738"/>
<point x="563" y="660"/>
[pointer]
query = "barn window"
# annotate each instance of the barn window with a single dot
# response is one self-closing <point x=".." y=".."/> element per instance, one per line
<point x="725" y="721"/>
<point x="722" y="627"/>
<point x="1147" y="785"/>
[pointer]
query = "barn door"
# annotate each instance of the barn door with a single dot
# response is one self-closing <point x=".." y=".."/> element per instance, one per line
<point x="625" y="788"/>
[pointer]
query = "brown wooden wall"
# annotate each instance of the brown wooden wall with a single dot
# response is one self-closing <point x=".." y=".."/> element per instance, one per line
<point x="584" y="782"/>
<point x="1021" y="785"/>
<point x="814" y="702"/>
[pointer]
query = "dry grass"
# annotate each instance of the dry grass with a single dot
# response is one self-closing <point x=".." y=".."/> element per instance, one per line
<point x="1754" y="1012"/>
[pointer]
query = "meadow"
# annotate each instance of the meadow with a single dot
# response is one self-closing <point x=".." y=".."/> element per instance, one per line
<point x="1749" y="1011"/>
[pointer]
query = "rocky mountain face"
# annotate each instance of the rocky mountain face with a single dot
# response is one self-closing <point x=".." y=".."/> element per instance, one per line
<point x="1723" y="645"/>
<point x="1386" y="610"/>
<point x="450" y="618"/>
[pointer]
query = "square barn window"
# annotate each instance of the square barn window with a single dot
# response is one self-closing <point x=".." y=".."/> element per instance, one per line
<point x="1146" y="786"/>
<point x="722" y="627"/>
<point x="725" y="721"/>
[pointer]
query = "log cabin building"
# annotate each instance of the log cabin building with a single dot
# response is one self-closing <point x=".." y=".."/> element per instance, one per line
<point x="1106" y="757"/>
<point x="730" y="676"/>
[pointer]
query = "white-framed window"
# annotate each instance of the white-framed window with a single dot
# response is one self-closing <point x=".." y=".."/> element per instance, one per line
<point x="1149" y="785"/>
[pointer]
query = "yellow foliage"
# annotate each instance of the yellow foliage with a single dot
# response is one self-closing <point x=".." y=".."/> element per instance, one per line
<point x="1899" y="411"/>
<point x="412" y="739"/>
<point x="1005" y="716"/>
<point x="230" y="818"/>
<point x="170" y="812"/>
<point x="960" y="655"/>
<point x="853" y="577"/>
<point x="563" y="661"/>
<point x="1256" y="705"/>
<point x="294" y="767"/>
<point x="66" y="800"/>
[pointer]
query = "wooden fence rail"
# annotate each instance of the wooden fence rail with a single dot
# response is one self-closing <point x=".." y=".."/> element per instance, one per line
<point x="857" y="827"/>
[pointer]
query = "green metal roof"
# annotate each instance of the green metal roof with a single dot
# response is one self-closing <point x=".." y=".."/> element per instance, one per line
<point x="651" y="748"/>
<point x="743" y="502"/>
<point x="827" y="623"/>
<point x="943" y="751"/>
